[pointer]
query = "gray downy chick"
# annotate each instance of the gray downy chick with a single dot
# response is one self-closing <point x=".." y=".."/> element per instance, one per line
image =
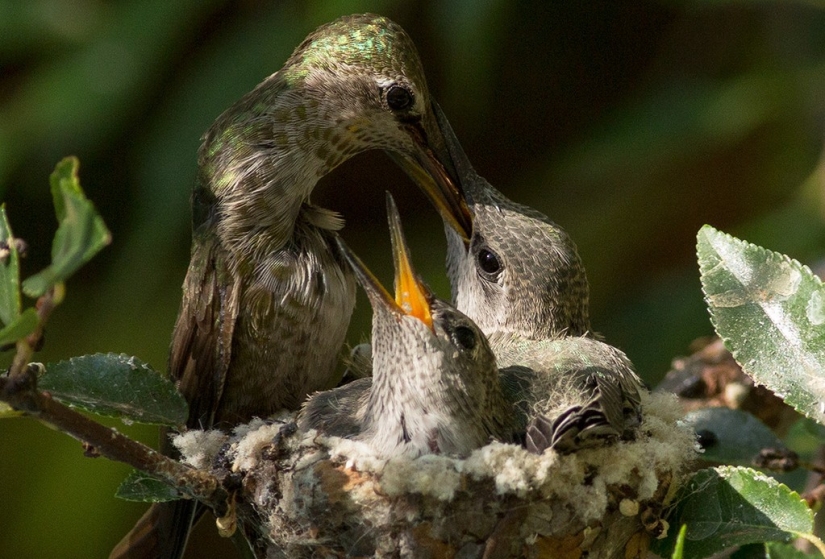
<point x="435" y="387"/>
<point x="580" y="392"/>
<point x="518" y="275"/>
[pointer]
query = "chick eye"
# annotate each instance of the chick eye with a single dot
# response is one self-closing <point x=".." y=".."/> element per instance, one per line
<point x="399" y="98"/>
<point x="464" y="337"/>
<point x="488" y="262"/>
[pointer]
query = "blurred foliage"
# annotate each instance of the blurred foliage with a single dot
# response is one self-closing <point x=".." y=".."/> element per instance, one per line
<point x="629" y="123"/>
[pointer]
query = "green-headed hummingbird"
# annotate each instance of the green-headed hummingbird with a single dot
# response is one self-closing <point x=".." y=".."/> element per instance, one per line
<point x="268" y="296"/>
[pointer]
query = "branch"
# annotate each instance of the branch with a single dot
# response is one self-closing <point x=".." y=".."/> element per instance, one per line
<point x="26" y="347"/>
<point x="19" y="390"/>
<point x="21" y="393"/>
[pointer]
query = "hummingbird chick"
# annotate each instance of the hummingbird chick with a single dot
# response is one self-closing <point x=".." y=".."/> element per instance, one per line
<point x="268" y="295"/>
<point x="518" y="275"/>
<point x="581" y="392"/>
<point x="435" y="387"/>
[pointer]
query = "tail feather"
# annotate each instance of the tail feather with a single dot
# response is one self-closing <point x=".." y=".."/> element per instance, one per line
<point x="610" y="411"/>
<point x="161" y="533"/>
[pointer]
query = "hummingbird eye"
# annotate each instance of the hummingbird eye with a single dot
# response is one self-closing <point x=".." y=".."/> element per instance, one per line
<point x="488" y="262"/>
<point x="464" y="337"/>
<point x="399" y="98"/>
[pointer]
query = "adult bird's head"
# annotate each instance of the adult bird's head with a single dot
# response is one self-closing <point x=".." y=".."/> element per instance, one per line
<point x="513" y="270"/>
<point x="352" y="85"/>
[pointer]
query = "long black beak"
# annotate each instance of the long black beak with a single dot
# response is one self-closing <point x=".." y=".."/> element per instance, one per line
<point x="431" y="168"/>
<point x="465" y="175"/>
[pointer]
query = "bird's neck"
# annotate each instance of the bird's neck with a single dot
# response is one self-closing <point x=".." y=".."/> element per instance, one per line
<point x="412" y="410"/>
<point x="399" y="417"/>
<point x="260" y="161"/>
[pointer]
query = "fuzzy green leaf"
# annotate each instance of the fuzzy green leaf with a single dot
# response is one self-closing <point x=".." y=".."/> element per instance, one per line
<point x="727" y="506"/>
<point x="21" y="327"/>
<point x="140" y="486"/>
<point x="737" y="435"/>
<point x="116" y="385"/>
<point x="81" y="232"/>
<point x="9" y="272"/>
<point x="770" y="311"/>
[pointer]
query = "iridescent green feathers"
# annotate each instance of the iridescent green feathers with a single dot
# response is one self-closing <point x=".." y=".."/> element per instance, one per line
<point x="263" y="156"/>
<point x="346" y="44"/>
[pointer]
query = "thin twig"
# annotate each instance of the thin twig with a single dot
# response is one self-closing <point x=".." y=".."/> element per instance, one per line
<point x="816" y="542"/>
<point x="20" y="392"/>
<point x="815" y="496"/>
<point x="26" y="347"/>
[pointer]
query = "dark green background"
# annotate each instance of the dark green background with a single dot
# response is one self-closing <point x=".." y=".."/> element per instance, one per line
<point x="629" y="123"/>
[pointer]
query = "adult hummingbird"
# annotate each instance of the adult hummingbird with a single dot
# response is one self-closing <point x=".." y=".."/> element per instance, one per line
<point x="518" y="275"/>
<point x="435" y="387"/>
<point x="268" y="295"/>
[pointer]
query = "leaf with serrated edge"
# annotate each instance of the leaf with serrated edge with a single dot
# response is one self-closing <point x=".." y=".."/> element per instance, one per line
<point x="727" y="506"/>
<point x="141" y="487"/>
<point x="20" y="328"/>
<point x="770" y="311"/>
<point x="116" y="385"/>
<point x="739" y="436"/>
<point x="81" y="232"/>
<point x="9" y="272"/>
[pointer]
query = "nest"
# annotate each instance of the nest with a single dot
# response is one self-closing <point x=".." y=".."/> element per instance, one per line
<point x="305" y="495"/>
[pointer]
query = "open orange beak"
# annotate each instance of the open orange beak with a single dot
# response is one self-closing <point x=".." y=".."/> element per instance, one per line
<point x="411" y="295"/>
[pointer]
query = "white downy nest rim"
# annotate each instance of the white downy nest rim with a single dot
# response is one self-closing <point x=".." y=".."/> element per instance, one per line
<point x="334" y="494"/>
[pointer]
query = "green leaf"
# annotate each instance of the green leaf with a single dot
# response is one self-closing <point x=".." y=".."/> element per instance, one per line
<point x="727" y="506"/>
<point x="679" y="549"/>
<point x="738" y="435"/>
<point x="770" y="312"/>
<point x="9" y="272"/>
<point x="805" y="436"/>
<point x="116" y="385"/>
<point x="64" y="180"/>
<point x="774" y="550"/>
<point x="81" y="232"/>
<point x="21" y="327"/>
<point x="6" y="411"/>
<point x="140" y="486"/>
<point x="816" y="430"/>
